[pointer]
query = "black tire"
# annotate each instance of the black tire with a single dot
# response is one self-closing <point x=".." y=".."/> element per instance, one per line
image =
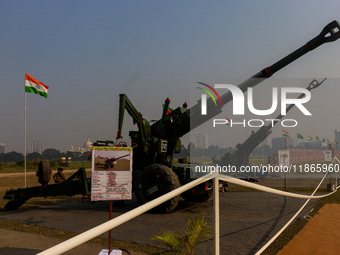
<point x="44" y="172"/>
<point x="201" y="198"/>
<point x="154" y="181"/>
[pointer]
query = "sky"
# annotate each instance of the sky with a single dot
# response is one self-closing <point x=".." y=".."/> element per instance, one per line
<point x="88" y="52"/>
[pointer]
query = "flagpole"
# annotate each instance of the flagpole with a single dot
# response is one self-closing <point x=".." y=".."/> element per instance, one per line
<point x="36" y="87"/>
<point x="25" y="141"/>
<point x="284" y="173"/>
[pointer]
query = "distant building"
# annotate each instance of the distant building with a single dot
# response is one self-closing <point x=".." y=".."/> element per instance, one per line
<point x="36" y="146"/>
<point x="337" y="138"/>
<point x="201" y="141"/>
<point x="311" y="145"/>
<point x="86" y="147"/>
<point x="2" y="148"/>
<point x="266" y="141"/>
<point x="279" y="143"/>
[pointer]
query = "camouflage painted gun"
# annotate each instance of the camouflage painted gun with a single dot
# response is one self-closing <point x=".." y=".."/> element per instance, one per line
<point x="240" y="157"/>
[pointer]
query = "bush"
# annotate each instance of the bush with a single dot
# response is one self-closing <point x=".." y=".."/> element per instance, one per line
<point x="196" y="231"/>
<point x="20" y="163"/>
<point x="35" y="162"/>
<point x="53" y="163"/>
<point x="63" y="163"/>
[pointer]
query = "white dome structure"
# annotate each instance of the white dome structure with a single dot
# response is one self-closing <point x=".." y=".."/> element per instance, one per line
<point x="85" y="148"/>
<point x="87" y="145"/>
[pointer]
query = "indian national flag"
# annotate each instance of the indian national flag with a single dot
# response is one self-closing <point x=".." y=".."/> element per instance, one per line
<point x="34" y="86"/>
<point x="285" y="133"/>
<point x="309" y="138"/>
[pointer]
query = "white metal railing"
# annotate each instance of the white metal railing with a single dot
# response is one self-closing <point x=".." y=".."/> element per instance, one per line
<point x="264" y="247"/>
<point x="96" y="231"/>
<point x="269" y="190"/>
<point x="104" y="227"/>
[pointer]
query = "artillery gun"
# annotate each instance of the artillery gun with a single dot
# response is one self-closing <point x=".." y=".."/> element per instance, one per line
<point x="109" y="162"/>
<point x="154" y="145"/>
<point x="240" y="157"/>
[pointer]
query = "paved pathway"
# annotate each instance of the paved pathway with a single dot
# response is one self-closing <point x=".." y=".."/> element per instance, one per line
<point x="321" y="235"/>
<point x="248" y="219"/>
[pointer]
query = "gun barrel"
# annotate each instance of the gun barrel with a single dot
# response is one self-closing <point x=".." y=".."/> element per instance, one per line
<point x="121" y="157"/>
<point x="330" y="33"/>
<point x="246" y="148"/>
<point x="312" y="85"/>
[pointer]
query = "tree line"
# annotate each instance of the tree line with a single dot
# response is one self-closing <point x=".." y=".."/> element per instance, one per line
<point x="49" y="154"/>
<point x="198" y="152"/>
<point x="190" y="151"/>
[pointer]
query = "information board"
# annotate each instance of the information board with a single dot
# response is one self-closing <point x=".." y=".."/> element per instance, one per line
<point x="283" y="158"/>
<point x="328" y="155"/>
<point x="111" y="173"/>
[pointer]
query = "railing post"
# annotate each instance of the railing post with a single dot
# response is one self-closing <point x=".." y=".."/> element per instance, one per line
<point x="217" y="216"/>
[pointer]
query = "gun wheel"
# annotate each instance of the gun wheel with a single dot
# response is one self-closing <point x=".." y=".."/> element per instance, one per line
<point x="154" y="181"/>
<point x="44" y="172"/>
<point x="189" y="196"/>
